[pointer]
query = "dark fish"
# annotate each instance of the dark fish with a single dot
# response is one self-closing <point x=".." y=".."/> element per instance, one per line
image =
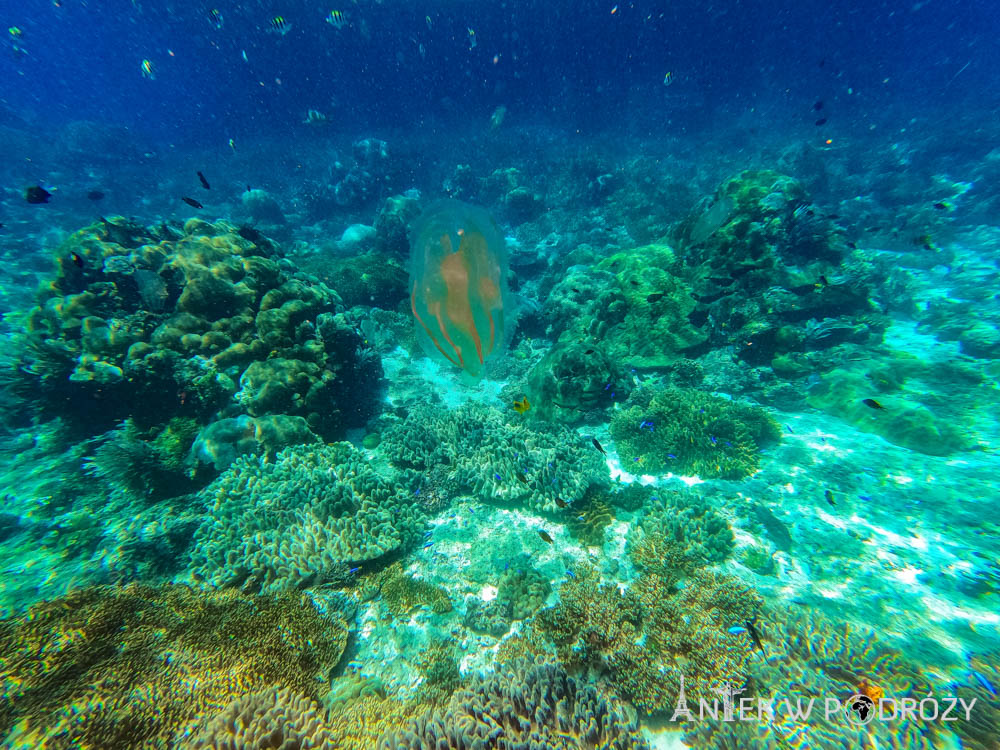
<point x="655" y="296"/>
<point x="560" y="503"/>
<point x="521" y="478"/>
<point x="821" y="121"/>
<point x="545" y="536"/>
<point x="37" y="194"/>
<point x="204" y="182"/>
<point x="77" y="260"/>
<point x="941" y="206"/>
<point x="829" y="498"/>
<point x="823" y="281"/>
<point x="95" y="195"/>
<point x="754" y="635"/>
<point x="872" y="403"/>
<point x="818" y="105"/>
<point x="598" y="446"/>
<point x="589" y="351"/>
<point x="852" y="244"/>
<point x="192" y="202"/>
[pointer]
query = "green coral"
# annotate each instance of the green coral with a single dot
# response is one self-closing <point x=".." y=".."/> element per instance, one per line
<point x="678" y="533"/>
<point x="574" y="382"/>
<point x="300" y="520"/>
<point x="903" y="420"/>
<point x="644" y="638"/>
<point x="522" y="591"/>
<point x="477" y="451"/>
<point x="132" y="666"/>
<point x="401" y="593"/>
<point x="692" y="433"/>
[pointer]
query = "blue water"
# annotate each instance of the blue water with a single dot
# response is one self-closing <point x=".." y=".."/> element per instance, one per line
<point x="844" y="286"/>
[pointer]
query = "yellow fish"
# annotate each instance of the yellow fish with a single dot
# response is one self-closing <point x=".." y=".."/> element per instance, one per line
<point x="147" y="70"/>
<point x="522" y="406"/>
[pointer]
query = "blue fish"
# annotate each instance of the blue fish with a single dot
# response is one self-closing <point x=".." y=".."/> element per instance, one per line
<point x="712" y="438"/>
<point x="728" y="444"/>
<point x="737" y="630"/>
<point x="982" y="680"/>
<point x="417" y="493"/>
<point x="427" y="534"/>
<point x="498" y="477"/>
<point x="428" y="544"/>
<point x="671" y="455"/>
<point x="607" y="386"/>
<point x="569" y="573"/>
<point x="789" y="428"/>
<point x="865" y="497"/>
<point x="354" y="570"/>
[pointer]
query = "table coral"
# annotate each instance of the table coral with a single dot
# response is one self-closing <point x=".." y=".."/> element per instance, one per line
<point x="686" y="431"/>
<point x="122" y="667"/>
<point x="536" y="706"/>
<point x="301" y="519"/>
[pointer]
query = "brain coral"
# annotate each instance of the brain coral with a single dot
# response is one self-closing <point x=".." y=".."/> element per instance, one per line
<point x="685" y="431"/>
<point x="158" y="322"/>
<point x="526" y="706"/>
<point x="475" y="450"/>
<point x="109" y="667"/>
<point x="301" y="519"/>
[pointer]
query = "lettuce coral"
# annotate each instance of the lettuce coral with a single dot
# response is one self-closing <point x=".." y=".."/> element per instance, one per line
<point x="300" y="520"/>
<point x="686" y="431"/>
<point x="475" y="450"/>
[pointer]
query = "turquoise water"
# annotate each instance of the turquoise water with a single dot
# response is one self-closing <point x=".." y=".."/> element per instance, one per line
<point x="498" y="377"/>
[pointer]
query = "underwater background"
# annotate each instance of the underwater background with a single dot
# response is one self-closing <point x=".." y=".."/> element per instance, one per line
<point x="499" y="375"/>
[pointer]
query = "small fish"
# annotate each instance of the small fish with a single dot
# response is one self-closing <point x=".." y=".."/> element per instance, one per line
<point x="982" y="680"/>
<point x="472" y="39"/>
<point x="546" y="537"/>
<point x="278" y="25"/>
<point x="337" y="19"/>
<point x="192" y="202"/>
<point x="570" y="574"/>
<point x="95" y="195"/>
<point x="714" y="439"/>
<point x="498" y="477"/>
<point x="671" y="455"/>
<point x="232" y="145"/>
<point x="215" y="18"/>
<point x="823" y="281"/>
<point x="204" y="182"/>
<point x="353" y="570"/>
<point x="866" y="498"/>
<point x="427" y="20"/>
<point x="428" y="544"/>
<point x="521" y="478"/>
<point x="598" y="446"/>
<point x="872" y="403"/>
<point x="943" y="206"/>
<point x="77" y="260"/>
<point x="818" y="105"/>
<point x="147" y="70"/>
<point x="560" y="503"/>
<point x="522" y="406"/>
<point x="243" y="54"/>
<point x="655" y="297"/>
<point x="754" y="634"/>
<point x="589" y="351"/>
<point x="668" y="78"/>
<point x="789" y="428"/>
<point x="829" y="497"/>
<point x="820" y="122"/>
<point x="37" y="194"/>
<point x="737" y="630"/>
<point x="427" y="534"/>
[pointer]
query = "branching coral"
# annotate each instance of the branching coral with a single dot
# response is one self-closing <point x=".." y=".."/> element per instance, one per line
<point x="525" y="706"/>
<point x="300" y="520"/>
<point x="689" y="432"/>
<point x="111" y="667"/>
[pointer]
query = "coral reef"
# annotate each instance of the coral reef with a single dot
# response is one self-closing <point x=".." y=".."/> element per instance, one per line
<point x="524" y="706"/>
<point x="402" y="593"/>
<point x="685" y="431"/>
<point x="136" y="666"/>
<point x="678" y="533"/>
<point x="522" y="590"/>
<point x="642" y="639"/>
<point x="300" y="520"/>
<point x="224" y="440"/>
<point x="155" y="323"/>
<point x="475" y="450"/>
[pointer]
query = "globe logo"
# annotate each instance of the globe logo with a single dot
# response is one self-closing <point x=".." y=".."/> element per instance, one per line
<point x="859" y="709"/>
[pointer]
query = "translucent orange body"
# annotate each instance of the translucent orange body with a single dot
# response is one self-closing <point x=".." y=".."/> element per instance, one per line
<point x="458" y="288"/>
